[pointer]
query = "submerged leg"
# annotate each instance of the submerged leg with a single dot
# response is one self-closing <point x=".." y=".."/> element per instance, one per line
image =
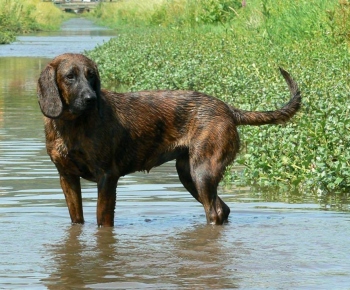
<point x="107" y="191"/>
<point x="203" y="187"/>
<point x="206" y="182"/>
<point x="72" y="191"/>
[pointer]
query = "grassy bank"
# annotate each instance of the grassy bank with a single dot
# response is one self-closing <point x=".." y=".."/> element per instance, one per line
<point x="19" y="17"/>
<point x="234" y="54"/>
<point x="278" y="19"/>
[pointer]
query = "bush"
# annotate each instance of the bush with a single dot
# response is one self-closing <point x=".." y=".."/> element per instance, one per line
<point x="19" y="17"/>
<point x="168" y="13"/>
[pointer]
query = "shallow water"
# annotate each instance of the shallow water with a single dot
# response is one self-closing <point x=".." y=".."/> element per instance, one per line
<point x="160" y="240"/>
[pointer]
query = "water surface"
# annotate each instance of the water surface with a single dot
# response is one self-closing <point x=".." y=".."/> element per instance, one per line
<point x="160" y="239"/>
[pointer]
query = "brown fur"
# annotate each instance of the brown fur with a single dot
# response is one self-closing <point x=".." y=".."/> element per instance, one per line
<point x="101" y="135"/>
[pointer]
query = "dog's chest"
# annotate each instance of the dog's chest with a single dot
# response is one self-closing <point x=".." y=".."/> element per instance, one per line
<point x="77" y="156"/>
<point x="82" y="163"/>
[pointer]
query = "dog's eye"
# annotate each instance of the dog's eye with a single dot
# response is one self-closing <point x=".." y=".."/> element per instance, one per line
<point x="70" y="77"/>
<point x="90" y="75"/>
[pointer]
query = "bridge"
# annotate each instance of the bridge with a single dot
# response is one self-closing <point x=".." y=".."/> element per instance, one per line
<point x="76" y="6"/>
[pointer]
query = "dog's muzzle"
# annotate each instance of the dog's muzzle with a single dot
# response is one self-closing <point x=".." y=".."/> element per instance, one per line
<point x="88" y="99"/>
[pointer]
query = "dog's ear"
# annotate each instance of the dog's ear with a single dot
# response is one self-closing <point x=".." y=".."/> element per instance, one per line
<point x="48" y="94"/>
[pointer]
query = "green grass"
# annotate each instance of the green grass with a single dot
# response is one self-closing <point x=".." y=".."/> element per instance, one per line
<point x="166" y="13"/>
<point x="277" y="20"/>
<point x="20" y="17"/>
<point x="237" y="61"/>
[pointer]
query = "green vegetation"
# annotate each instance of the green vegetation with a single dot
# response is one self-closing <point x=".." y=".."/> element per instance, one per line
<point x="166" y="13"/>
<point x="19" y="17"/>
<point x="233" y="52"/>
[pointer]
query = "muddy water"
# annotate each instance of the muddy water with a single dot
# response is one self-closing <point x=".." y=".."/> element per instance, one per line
<point x="160" y="240"/>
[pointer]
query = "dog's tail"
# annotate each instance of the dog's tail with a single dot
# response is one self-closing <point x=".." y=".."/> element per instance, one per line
<point x="279" y="116"/>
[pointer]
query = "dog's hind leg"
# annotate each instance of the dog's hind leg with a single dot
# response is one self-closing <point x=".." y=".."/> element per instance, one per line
<point x="204" y="191"/>
<point x="184" y="172"/>
<point x="206" y="181"/>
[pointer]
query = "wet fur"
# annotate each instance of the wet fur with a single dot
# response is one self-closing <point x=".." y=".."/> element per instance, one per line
<point x="101" y="135"/>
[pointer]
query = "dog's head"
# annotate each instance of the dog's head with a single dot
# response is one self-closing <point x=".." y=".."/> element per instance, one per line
<point x="69" y="86"/>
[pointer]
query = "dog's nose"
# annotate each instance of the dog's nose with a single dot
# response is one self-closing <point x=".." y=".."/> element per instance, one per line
<point x="89" y="98"/>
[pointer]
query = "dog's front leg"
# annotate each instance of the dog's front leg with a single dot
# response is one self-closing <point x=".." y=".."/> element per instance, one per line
<point x="72" y="191"/>
<point x="107" y="191"/>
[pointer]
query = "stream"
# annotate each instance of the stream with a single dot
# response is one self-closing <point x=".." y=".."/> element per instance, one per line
<point x="160" y="239"/>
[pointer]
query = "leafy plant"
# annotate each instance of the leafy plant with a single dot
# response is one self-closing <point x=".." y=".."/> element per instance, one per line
<point x="215" y="11"/>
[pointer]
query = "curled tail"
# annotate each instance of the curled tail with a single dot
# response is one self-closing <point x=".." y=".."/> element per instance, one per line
<point x="279" y="116"/>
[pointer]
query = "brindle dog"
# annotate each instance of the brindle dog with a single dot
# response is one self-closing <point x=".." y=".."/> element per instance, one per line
<point x="101" y="135"/>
